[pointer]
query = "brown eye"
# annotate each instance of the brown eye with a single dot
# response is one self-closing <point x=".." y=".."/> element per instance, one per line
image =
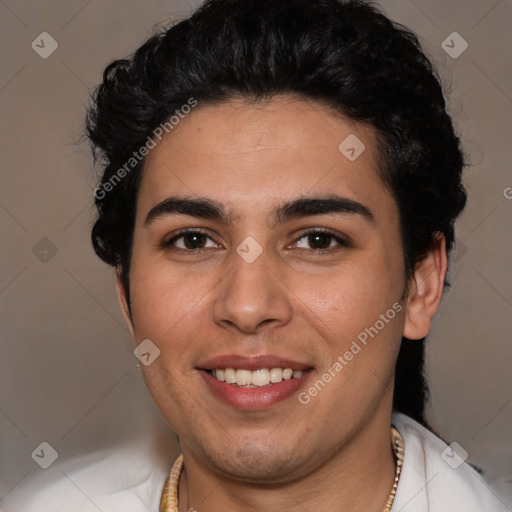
<point x="190" y="241"/>
<point x="320" y="240"/>
<point x="194" y="240"/>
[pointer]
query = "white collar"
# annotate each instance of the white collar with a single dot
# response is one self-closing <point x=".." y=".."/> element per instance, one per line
<point x="429" y="484"/>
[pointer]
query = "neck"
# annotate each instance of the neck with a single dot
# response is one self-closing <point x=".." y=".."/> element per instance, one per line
<point x="356" y="477"/>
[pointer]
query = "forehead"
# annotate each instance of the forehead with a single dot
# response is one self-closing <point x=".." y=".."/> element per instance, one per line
<point x="250" y="155"/>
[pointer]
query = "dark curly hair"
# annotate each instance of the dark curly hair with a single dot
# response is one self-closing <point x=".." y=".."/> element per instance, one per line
<point x="344" y="54"/>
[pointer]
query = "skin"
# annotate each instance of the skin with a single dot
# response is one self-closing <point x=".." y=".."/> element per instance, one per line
<point x="292" y="301"/>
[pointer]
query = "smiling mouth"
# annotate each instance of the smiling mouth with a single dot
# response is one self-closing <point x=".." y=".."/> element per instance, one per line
<point x="254" y="378"/>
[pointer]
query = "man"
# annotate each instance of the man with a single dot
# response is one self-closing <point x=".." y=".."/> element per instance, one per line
<point x="278" y="201"/>
<point x="281" y="245"/>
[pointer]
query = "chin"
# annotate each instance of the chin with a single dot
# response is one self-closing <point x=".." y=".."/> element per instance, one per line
<point x="258" y="463"/>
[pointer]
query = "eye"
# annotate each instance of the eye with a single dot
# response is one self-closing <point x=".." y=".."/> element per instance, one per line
<point x="189" y="240"/>
<point x="317" y="241"/>
<point x="321" y="241"/>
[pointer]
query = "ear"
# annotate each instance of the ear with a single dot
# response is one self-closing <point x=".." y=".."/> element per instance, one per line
<point x="425" y="291"/>
<point x="123" y="303"/>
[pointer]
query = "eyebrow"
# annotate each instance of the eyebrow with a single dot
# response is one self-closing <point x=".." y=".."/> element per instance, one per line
<point x="205" y="208"/>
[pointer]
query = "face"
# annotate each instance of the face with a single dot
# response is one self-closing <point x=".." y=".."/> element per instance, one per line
<point x="292" y="253"/>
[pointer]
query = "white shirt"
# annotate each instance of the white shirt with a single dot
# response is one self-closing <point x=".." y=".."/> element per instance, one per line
<point x="131" y="478"/>
<point x="433" y="482"/>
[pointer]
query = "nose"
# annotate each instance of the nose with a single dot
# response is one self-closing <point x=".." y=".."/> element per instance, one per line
<point x="252" y="295"/>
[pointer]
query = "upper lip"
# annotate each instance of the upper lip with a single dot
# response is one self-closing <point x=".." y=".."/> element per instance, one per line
<point x="250" y="362"/>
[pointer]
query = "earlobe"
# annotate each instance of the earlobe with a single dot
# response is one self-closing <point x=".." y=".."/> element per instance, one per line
<point x="123" y="303"/>
<point x="426" y="291"/>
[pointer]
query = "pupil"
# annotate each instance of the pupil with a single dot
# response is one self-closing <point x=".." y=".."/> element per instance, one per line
<point x="197" y="238"/>
<point x="320" y="239"/>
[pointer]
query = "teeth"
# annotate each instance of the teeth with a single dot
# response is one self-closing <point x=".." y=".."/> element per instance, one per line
<point x="287" y="373"/>
<point x="243" y="377"/>
<point x="256" y="378"/>
<point x="276" y="375"/>
<point x="229" y="375"/>
<point x="260" y="377"/>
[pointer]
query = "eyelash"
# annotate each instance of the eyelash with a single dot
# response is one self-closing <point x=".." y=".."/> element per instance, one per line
<point x="342" y="243"/>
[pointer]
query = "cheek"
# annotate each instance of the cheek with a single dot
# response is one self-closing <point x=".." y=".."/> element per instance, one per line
<point x="352" y="297"/>
<point x="365" y="323"/>
<point x="363" y="336"/>
<point x="166" y="299"/>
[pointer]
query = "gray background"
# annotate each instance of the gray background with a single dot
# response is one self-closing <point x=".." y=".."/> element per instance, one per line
<point x="67" y="371"/>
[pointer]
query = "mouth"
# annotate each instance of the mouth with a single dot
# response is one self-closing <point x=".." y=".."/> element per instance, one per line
<point x="254" y="382"/>
<point x="258" y="378"/>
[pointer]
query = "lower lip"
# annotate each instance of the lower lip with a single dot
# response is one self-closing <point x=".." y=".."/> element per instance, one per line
<point x="253" y="399"/>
